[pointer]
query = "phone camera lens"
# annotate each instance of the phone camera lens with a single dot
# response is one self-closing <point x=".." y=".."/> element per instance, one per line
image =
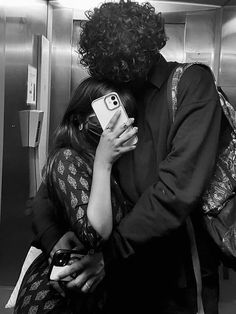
<point x="115" y="103"/>
<point x="113" y="97"/>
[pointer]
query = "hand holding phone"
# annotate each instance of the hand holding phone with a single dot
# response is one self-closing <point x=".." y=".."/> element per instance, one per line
<point x="62" y="259"/>
<point x="105" y="107"/>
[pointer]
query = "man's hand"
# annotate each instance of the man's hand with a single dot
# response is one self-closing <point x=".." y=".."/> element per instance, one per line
<point x="68" y="241"/>
<point x="90" y="270"/>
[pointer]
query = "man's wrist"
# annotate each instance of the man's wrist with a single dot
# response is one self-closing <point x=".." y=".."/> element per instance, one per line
<point x="50" y="237"/>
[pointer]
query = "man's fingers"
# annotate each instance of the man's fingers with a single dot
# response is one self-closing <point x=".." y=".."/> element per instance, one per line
<point x="75" y="267"/>
<point x="79" y="281"/>
<point x="88" y="285"/>
<point x="92" y="283"/>
<point x="58" y="288"/>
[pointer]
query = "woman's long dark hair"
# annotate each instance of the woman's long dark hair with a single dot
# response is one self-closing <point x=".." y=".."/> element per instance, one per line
<point x="69" y="134"/>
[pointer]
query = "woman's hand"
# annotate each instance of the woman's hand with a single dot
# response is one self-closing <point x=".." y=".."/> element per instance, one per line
<point x="111" y="145"/>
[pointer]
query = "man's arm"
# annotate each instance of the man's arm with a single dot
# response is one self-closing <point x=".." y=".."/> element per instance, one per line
<point x="45" y="226"/>
<point x="183" y="175"/>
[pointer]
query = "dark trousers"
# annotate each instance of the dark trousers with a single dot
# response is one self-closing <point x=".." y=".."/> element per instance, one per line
<point x="163" y="299"/>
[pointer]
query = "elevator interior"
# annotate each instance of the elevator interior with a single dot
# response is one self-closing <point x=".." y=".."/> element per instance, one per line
<point x="44" y="35"/>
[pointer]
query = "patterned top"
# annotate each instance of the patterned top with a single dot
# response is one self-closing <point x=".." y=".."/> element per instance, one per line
<point x="72" y="179"/>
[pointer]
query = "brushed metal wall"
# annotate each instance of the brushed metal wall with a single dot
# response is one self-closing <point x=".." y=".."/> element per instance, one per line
<point x="2" y="90"/>
<point x="22" y="22"/>
<point x="201" y="38"/>
<point x="174" y="48"/>
<point x="61" y="59"/>
<point x="227" y="69"/>
<point x="78" y="73"/>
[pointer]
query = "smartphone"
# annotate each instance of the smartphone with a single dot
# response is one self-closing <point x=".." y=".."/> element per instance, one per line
<point x="106" y="106"/>
<point x="60" y="262"/>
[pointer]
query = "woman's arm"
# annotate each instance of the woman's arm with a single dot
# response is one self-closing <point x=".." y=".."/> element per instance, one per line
<point x="86" y="196"/>
<point x="99" y="208"/>
<point x="110" y="148"/>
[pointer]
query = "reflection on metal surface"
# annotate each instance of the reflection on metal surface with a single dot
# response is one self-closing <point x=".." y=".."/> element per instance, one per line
<point x="174" y="49"/>
<point x="200" y="34"/>
<point x="202" y="57"/>
<point x="43" y="101"/>
<point x="15" y="232"/>
<point x="20" y="3"/>
<point x="201" y="38"/>
<point x="228" y="48"/>
<point x="160" y="6"/>
<point x="231" y="94"/>
<point x="61" y="64"/>
<point x="78" y="73"/>
<point x="2" y="92"/>
<point x="166" y="6"/>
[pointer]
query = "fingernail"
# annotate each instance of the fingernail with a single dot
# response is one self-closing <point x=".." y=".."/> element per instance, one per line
<point x="131" y="119"/>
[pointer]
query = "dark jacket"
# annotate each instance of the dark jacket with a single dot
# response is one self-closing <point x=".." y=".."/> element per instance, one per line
<point x="164" y="177"/>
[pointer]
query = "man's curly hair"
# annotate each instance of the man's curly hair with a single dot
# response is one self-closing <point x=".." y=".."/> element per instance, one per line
<point x="121" y="41"/>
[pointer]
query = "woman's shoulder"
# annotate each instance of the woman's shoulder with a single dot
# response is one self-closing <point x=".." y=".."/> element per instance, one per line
<point x="66" y="153"/>
<point x="71" y="157"/>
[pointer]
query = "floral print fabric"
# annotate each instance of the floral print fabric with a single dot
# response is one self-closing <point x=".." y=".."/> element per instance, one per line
<point x="72" y="179"/>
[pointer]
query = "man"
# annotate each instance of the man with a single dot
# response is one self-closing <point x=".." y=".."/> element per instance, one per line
<point x="164" y="177"/>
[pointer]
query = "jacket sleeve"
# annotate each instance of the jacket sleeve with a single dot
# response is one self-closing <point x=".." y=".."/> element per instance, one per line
<point x="46" y="228"/>
<point x="183" y="175"/>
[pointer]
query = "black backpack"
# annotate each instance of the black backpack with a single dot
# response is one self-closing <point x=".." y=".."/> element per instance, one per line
<point x="218" y="201"/>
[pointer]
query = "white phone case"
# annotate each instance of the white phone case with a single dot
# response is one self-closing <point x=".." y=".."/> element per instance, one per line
<point x="105" y="107"/>
<point x="56" y="270"/>
<point x="60" y="261"/>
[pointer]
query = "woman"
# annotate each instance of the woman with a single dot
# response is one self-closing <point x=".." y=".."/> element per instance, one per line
<point x="88" y="200"/>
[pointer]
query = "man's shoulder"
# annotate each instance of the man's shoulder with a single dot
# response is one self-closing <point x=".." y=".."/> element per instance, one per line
<point x="194" y="75"/>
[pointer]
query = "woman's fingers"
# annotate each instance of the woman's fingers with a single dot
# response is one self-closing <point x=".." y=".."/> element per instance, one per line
<point x="129" y="133"/>
<point x="124" y="127"/>
<point x="110" y="126"/>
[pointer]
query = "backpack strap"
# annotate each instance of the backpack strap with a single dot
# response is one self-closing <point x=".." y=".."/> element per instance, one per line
<point x="172" y="87"/>
<point x="196" y="264"/>
<point x="172" y="92"/>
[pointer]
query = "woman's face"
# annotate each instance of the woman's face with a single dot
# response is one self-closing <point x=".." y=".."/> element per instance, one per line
<point x="93" y="126"/>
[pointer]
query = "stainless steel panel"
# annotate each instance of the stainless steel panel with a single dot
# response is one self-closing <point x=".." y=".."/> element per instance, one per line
<point x="2" y="91"/>
<point x="200" y="38"/>
<point x="227" y="71"/>
<point x="231" y="94"/>
<point x="230" y="3"/>
<point x="174" y="49"/>
<point x="61" y="64"/>
<point x="78" y="73"/>
<point x="204" y="2"/>
<point x="15" y="233"/>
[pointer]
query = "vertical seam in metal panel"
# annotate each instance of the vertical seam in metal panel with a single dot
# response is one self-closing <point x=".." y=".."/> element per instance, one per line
<point x="218" y="36"/>
<point x="2" y="95"/>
